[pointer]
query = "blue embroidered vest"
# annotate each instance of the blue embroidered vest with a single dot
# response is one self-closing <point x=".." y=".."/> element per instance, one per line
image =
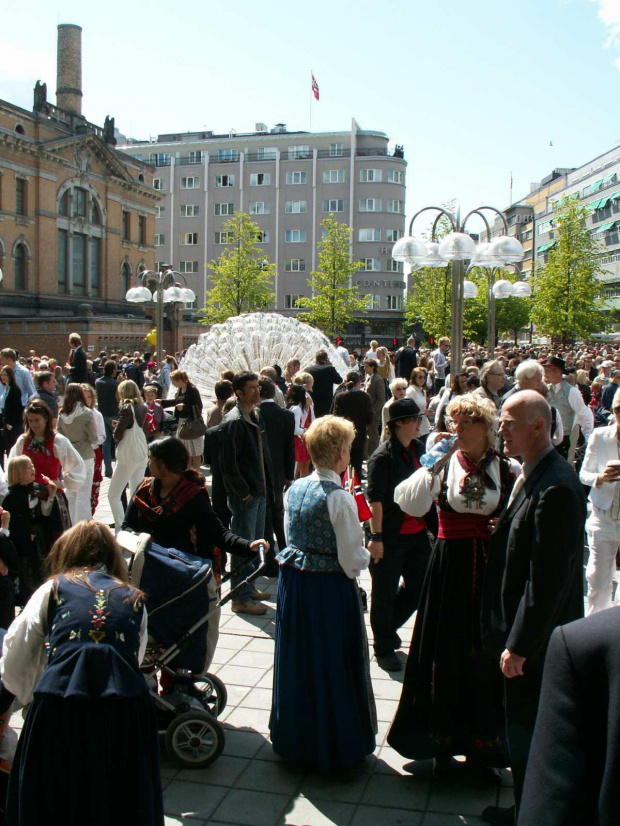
<point x="94" y="640"/>
<point x="311" y="536"/>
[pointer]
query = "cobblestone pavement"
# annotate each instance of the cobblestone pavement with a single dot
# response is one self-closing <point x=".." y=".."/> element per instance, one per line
<point x="251" y="785"/>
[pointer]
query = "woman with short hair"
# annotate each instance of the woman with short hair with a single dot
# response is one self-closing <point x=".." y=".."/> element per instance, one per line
<point x="398" y="389"/>
<point x="323" y="710"/>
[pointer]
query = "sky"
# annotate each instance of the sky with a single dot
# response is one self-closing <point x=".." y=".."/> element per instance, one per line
<point x="476" y="92"/>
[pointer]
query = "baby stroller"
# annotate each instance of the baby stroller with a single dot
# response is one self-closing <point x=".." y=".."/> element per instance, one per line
<point x="188" y="702"/>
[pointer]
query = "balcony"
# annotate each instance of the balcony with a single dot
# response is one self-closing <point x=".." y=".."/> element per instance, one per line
<point x="379" y="152"/>
<point x="190" y="160"/>
<point x="328" y="153"/>
<point x="251" y="157"/>
<point x="161" y="161"/>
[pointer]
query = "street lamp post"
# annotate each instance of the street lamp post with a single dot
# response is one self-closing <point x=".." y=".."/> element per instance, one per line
<point x="454" y="249"/>
<point x="166" y="291"/>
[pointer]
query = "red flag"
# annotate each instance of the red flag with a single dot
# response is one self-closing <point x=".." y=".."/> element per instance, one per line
<point x="315" y="87"/>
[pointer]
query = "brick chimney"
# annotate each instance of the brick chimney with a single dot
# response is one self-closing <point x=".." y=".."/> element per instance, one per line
<point x="69" y="68"/>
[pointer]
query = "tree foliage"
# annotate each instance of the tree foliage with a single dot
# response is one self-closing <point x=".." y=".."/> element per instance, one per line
<point x="565" y="300"/>
<point x="242" y="277"/>
<point x="511" y="314"/>
<point x="335" y="300"/>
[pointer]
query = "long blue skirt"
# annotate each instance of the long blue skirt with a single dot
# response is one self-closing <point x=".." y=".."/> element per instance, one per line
<point x="323" y="710"/>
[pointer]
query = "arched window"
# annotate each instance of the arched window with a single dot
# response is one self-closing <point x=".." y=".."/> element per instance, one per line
<point x="20" y="129"/>
<point x="21" y="267"/>
<point x="63" y="203"/>
<point x="95" y="213"/>
<point x="125" y="277"/>
<point x="80" y="200"/>
<point x="141" y="178"/>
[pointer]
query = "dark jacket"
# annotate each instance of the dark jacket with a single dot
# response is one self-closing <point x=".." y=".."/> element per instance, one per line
<point x="534" y="577"/>
<point x="404" y="362"/>
<point x="325" y="377"/>
<point x="376" y="391"/>
<point x="12" y="414"/>
<point x="135" y="373"/>
<point x="280" y="429"/>
<point x="78" y="371"/>
<point x="356" y="406"/>
<point x="211" y="454"/>
<point x="573" y="773"/>
<point x="107" y="400"/>
<point x="388" y="466"/>
<point x="189" y="399"/>
<point x="242" y="442"/>
<point x="49" y="400"/>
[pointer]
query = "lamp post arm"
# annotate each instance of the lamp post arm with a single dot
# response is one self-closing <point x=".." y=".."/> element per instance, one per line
<point x="441" y="210"/>
<point x="480" y="215"/>
<point x="497" y="212"/>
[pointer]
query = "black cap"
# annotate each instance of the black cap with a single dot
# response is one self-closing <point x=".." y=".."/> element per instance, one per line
<point x="554" y="361"/>
<point x="403" y="409"/>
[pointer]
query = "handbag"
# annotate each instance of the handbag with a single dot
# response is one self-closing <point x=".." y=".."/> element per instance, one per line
<point x="133" y="448"/>
<point x="193" y="428"/>
<point x="363" y="511"/>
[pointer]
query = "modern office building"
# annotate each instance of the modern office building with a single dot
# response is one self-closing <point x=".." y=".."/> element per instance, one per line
<point x="288" y="182"/>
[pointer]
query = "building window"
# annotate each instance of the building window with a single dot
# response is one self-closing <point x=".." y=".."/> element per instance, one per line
<point x="396" y="206"/>
<point x="126" y="227"/>
<point x="78" y="264"/>
<point x="295" y="206"/>
<point x="369" y="235"/>
<point x="192" y="182"/>
<point x="125" y="277"/>
<point x="393" y="235"/>
<point x="296" y="178"/>
<point x="371" y="264"/>
<point x="223" y="209"/>
<point x="291" y="301"/>
<point x="259" y="208"/>
<point x="393" y="302"/>
<point x="295" y="152"/>
<point x="224" y="180"/>
<point x="394" y="266"/>
<point x="370" y="204"/>
<point x="333" y="176"/>
<point x="262" y="236"/>
<point x="142" y="230"/>
<point x="95" y="213"/>
<point x="188" y="239"/>
<point x="20" y="196"/>
<point x="159" y="159"/>
<point x="63" y="203"/>
<point x="188" y="266"/>
<point x="80" y="199"/>
<point x="228" y="155"/>
<point x="333" y="206"/>
<point x="160" y="239"/>
<point x="159" y="184"/>
<point x="295" y="265"/>
<point x="95" y="266"/>
<point x="260" y="179"/>
<point x="396" y="176"/>
<point x="224" y="237"/>
<point x="190" y="210"/>
<point x="160" y="211"/>
<point x="336" y="150"/>
<point x="295" y="236"/>
<point x="373" y="302"/>
<point x="61" y="268"/>
<point x="368" y="176"/>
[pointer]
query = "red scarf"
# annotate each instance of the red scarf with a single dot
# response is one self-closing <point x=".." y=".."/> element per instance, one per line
<point x="153" y="507"/>
<point x="473" y="469"/>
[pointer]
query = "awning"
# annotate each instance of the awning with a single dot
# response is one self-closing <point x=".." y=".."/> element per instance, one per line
<point x="596" y="186"/>
<point x="612" y="303"/>
<point x="604" y="201"/>
<point x="609" y="178"/>
<point x="593" y="205"/>
<point x="545" y="247"/>
<point x="605" y="227"/>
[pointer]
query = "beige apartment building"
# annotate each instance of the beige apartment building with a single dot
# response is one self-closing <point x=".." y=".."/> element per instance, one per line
<point x="288" y="182"/>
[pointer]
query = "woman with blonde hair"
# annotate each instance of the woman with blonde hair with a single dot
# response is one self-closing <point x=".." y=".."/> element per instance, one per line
<point x="91" y="402"/>
<point x="74" y="654"/>
<point x="323" y="710"/>
<point x="187" y="405"/>
<point x="451" y="701"/>
<point x="131" y="448"/>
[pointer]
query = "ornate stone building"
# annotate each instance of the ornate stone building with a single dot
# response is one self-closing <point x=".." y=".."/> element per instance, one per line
<point x="77" y="221"/>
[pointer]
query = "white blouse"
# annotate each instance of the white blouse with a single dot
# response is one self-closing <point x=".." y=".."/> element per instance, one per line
<point x="301" y="416"/>
<point x="72" y="464"/>
<point x="416" y="494"/>
<point x="23" y="651"/>
<point x="99" y="427"/>
<point x="418" y="395"/>
<point x="352" y="555"/>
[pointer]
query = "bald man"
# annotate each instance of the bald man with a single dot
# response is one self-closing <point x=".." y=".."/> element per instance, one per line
<point x="534" y="579"/>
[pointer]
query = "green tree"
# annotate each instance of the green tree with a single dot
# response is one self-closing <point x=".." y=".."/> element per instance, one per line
<point x="511" y="314"/>
<point x="565" y="300"/>
<point x="335" y="300"/>
<point x="242" y="277"/>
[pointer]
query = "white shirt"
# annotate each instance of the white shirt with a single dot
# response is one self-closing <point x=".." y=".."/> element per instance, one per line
<point x="301" y="416"/>
<point x="352" y="555"/>
<point x="99" y="427"/>
<point x="342" y="351"/>
<point x="72" y="464"/>
<point x="418" y="395"/>
<point x="23" y="651"/>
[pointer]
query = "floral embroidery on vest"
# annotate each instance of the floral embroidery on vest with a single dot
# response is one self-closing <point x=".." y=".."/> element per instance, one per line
<point x="99" y="617"/>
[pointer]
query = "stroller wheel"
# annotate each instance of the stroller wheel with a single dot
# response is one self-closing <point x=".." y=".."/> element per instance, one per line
<point x="212" y="693"/>
<point x="195" y="739"/>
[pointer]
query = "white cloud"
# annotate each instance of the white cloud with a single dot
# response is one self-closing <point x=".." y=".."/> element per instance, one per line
<point x="609" y="15"/>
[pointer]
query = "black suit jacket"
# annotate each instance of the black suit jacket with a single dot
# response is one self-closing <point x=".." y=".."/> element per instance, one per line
<point x="325" y="377"/>
<point x="534" y="576"/>
<point x="573" y="773"/>
<point x="404" y="362"/>
<point x="78" y="371"/>
<point x="280" y="428"/>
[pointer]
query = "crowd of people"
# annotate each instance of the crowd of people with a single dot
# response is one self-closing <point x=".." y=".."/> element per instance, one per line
<point x="473" y="492"/>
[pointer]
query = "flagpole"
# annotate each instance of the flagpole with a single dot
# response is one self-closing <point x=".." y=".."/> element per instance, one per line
<point x="311" y="96"/>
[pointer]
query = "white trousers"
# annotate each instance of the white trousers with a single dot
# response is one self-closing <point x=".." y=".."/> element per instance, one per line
<point x="131" y="473"/>
<point x="79" y="500"/>
<point x="603" y="541"/>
